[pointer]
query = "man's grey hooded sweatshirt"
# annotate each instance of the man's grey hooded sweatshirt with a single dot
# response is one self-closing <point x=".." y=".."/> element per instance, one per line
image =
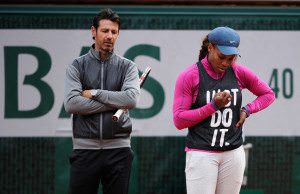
<point x="117" y="83"/>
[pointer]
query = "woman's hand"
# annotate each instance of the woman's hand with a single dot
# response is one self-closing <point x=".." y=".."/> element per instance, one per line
<point x="243" y="117"/>
<point x="222" y="98"/>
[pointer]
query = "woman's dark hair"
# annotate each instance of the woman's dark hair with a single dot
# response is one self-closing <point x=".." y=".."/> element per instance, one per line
<point x="106" y="14"/>
<point x="204" y="48"/>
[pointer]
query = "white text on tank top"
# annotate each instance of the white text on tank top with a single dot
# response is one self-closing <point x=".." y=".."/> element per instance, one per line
<point x="224" y="117"/>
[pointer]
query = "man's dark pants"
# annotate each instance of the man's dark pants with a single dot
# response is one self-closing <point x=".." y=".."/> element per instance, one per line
<point x="110" y="166"/>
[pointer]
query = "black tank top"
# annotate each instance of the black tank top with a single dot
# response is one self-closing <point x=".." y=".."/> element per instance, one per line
<point x="218" y="131"/>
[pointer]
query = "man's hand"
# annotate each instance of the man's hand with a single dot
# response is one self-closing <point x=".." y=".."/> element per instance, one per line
<point x="87" y="94"/>
<point x="222" y="98"/>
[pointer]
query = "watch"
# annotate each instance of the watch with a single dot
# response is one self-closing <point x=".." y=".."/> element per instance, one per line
<point x="93" y="93"/>
<point x="246" y="111"/>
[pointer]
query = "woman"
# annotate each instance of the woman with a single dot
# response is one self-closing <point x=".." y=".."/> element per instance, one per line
<point x="207" y="101"/>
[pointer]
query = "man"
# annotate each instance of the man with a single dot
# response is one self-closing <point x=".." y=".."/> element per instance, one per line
<point x="97" y="84"/>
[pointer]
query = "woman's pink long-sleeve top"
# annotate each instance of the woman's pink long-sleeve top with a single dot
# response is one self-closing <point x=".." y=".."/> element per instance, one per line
<point x="186" y="90"/>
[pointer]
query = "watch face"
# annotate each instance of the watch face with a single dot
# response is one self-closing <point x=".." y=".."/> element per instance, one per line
<point x="94" y="92"/>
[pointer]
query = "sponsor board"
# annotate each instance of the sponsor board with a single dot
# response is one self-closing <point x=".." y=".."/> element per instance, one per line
<point x="33" y="63"/>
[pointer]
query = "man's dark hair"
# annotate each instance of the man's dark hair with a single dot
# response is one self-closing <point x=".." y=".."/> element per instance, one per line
<point x="106" y="14"/>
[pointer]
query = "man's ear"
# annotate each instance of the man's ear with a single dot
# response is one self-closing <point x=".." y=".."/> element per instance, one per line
<point x="93" y="30"/>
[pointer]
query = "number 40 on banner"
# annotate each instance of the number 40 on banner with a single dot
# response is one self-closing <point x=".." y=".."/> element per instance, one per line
<point x="282" y="82"/>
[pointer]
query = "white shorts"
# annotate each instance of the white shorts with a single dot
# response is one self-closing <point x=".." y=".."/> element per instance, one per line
<point x="215" y="173"/>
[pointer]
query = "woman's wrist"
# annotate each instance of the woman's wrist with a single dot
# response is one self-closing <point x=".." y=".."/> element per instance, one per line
<point x="244" y="109"/>
<point x="214" y="105"/>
